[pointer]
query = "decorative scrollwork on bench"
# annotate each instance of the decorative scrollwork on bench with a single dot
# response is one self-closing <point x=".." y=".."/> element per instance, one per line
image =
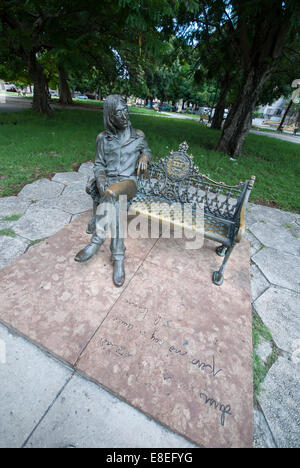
<point x="176" y="178"/>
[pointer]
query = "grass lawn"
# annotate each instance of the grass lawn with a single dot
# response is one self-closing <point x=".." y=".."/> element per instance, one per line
<point x="260" y="369"/>
<point x="33" y="146"/>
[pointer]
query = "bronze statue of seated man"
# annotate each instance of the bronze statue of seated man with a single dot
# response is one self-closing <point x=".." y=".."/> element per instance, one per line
<point x="121" y="154"/>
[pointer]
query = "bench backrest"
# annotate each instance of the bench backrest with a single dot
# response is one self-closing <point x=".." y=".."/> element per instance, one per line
<point x="176" y="178"/>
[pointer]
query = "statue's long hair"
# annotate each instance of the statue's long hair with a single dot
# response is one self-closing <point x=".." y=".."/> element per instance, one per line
<point x="110" y="105"/>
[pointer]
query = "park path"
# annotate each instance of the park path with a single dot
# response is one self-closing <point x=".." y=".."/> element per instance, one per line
<point x="13" y="104"/>
<point x="280" y="136"/>
<point x="46" y="206"/>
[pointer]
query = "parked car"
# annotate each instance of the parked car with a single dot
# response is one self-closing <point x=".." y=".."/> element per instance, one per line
<point x="165" y="107"/>
<point x="53" y="93"/>
<point x="81" y="96"/>
<point x="10" y="88"/>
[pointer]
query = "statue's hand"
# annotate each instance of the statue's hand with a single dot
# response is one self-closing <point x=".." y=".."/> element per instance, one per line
<point x="143" y="164"/>
<point x="100" y="186"/>
<point x="109" y="194"/>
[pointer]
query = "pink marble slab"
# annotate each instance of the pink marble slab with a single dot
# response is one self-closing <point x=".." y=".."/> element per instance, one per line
<point x="57" y="302"/>
<point x="169" y="342"/>
<point x="179" y="348"/>
<point x="199" y="264"/>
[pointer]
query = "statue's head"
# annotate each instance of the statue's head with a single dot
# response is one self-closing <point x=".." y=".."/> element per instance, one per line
<point x="115" y="113"/>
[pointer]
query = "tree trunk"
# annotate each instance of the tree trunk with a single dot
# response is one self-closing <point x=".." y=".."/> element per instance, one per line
<point x="239" y="118"/>
<point x="220" y="107"/>
<point x="40" y="93"/>
<point x="279" y="128"/>
<point x="65" y="96"/>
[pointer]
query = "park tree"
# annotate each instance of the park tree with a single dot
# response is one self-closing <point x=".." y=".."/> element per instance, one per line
<point x="30" y="28"/>
<point x="258" y="32"/>
<point x="215" y="63"/>
<point x="261" y="31"/>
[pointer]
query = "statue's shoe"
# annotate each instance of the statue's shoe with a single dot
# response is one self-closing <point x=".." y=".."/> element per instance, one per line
<point x="119" y="273"/>
<point x="88" y="252"/>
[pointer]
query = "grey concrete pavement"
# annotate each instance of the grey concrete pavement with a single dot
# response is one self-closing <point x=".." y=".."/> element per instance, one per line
<point x="275" y="286"/>
<point x="53" y="407"/>
<point x="280" y="136"/>
<point x="30" y="382"/>
<point x="13" y="104"/>
<point x="45" y="404"/>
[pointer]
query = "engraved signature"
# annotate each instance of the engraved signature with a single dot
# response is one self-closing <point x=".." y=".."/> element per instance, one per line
<point x="217" y="406"/>
<point x="119" y="350"/>
<point x="203" y="366"/>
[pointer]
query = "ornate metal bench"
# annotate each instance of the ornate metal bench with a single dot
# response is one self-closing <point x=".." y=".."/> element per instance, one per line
<point x="176" y="181"/>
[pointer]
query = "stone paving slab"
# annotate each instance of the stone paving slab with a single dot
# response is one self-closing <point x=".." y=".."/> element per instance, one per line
<point x="262" y="437"/>
<point x="6" y="224"/>
<point x="283" y="238"/>
<point x="68" y="178"/>
<point x="200" y="264"/>
<point x="178" y="347"/>
<point x="41" y="189"/>
<point x="259" y="283"/>
<point x="30" y="381"/>
<point x="264" y="214"/>
<point x="281" y="269"/>
<point x="255" y="244"/>
<point x="264" y="349"/>
<point x="10" y="249"/>
<point x="74" y="202"/>
<point x="87" y="169"/>
<point x="57" y="302"/>
<point x="12" y="205"/>
<point x="75" y="190"/>
<point x="280" y="402"/>
<point x="279" y="309"/>
<point x="38" y="223"/>
<point x="86" y="416"/>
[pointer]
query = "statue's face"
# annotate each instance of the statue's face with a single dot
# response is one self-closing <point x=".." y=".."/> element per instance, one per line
<point x="120" y="116"/>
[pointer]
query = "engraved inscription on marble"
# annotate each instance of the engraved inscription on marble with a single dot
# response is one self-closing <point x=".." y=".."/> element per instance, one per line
<point x="206" y="366"/>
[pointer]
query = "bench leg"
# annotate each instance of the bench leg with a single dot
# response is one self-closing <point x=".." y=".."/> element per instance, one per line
<point x="221" y="250"/>
<point x="218" y="276"/>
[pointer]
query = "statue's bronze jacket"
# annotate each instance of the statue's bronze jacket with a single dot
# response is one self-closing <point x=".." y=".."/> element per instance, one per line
<point x="116" y="161"/>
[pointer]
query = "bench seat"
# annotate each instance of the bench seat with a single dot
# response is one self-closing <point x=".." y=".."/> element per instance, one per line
<point x="182" y="216"/>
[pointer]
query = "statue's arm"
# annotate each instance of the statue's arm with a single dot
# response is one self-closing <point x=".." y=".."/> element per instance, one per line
<point x="146" y="155"/>
<point x="100" y="165"/>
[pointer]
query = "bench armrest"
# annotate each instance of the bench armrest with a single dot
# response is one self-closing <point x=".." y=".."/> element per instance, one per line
<point x="242" y="227"/>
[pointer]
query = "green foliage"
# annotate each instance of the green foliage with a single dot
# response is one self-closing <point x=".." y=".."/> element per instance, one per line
<point x="260" y="369"/>
<point x="7" y="232"/>
<point x="13" y="217"/>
